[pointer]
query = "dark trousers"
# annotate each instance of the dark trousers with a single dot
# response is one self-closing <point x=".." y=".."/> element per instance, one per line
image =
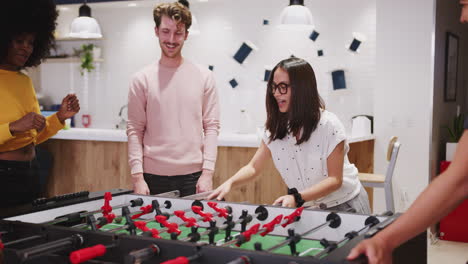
<point x="19" y="182"/>
<point x="186" y="184"/>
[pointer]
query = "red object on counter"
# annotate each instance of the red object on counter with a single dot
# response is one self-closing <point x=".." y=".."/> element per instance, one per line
<point x="86" y="120"/>
<point x="453" y="226"/>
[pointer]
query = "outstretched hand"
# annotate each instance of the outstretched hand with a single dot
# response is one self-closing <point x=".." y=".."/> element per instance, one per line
<point x="69" y="107"/>
<point x="221" y="191"/>
<point x="286" y="201"/>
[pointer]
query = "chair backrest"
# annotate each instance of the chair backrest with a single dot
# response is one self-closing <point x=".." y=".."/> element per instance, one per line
<point x="390" y="147"/>
<point x="392" y="154"/>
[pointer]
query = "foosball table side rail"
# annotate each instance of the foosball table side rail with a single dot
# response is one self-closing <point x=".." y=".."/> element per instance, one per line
<point x="414" y="251"/>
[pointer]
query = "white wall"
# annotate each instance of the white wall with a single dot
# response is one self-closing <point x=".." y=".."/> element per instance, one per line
<point x="130" y="44"/>
<point x="447" y="18"/>
<point x="391" y="78"/>
<point x="404" y="91"/>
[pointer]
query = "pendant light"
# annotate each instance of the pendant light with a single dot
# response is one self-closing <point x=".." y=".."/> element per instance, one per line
<point x="84" y="26"/>
<point x="296" y="16"/>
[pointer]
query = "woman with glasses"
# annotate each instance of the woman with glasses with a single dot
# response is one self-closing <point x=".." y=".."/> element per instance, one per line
<point x="307" y="144"/>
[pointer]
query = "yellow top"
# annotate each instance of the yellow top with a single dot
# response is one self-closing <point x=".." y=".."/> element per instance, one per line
<point x="18" y="98"/>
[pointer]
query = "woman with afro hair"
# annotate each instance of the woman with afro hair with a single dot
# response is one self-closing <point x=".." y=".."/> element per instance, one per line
<point x="26" y="37"/>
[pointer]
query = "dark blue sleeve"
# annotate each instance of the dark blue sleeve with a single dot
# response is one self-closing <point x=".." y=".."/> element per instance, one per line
<point x="466" y="123"/>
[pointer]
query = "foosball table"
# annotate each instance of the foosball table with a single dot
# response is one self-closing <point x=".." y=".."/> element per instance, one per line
<point x="128" y="228"/>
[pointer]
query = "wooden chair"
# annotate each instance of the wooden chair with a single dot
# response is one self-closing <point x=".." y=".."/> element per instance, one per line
<point x="384" y="181"/>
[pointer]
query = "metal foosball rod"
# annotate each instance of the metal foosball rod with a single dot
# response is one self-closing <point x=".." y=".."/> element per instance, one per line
<point x="18" y="241"/>
<point x="204" y="216"/>
<point x="168" y="227"/>
<point x="198" y="196"/>
<point x="71" y="242"/>
<point x="255" y="229"/>
<point x="329" y="246"/>
<point x="160" y="217"/>
<point x="169" y="194"/>
<point x="333" y="220"/>
<point x="77" y="216"/>
<point x="240" y="260"/>
<point x="261" y="213"/>
<point x="109" y="218"/>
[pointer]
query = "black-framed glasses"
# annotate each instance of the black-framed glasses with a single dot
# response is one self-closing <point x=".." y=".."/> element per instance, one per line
<point x="281" y="87"/>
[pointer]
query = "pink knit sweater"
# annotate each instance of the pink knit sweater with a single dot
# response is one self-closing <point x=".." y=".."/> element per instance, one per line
<point x="173" y="120"/>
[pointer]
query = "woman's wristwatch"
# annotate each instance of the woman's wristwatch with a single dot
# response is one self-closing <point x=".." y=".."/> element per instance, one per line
<point x="297" y="197"/>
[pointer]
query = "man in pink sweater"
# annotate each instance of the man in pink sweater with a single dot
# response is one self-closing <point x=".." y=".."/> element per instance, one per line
<point x="173" y="115"/>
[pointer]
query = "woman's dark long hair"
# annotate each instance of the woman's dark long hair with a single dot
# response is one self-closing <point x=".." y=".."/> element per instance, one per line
<point x="28" y="16"/>
<point x="305" y="104"/>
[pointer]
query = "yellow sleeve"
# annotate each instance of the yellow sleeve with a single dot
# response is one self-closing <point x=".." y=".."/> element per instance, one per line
<point x="5" y="133"/>
<point x="53" y="125"/>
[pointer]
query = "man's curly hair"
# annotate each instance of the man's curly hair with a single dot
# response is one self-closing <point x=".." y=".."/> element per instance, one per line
<point x="28" y="16"/>
<point x="176" y="11"/>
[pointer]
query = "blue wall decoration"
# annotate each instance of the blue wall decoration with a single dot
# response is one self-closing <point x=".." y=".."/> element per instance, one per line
<point x="242" y="53"/>
<point x="355" y="45"/>
<point x="266" y="77"/>
<point x="314" y="35"/>
<point x="339" y="81"/>
<point x="233" y="83"/>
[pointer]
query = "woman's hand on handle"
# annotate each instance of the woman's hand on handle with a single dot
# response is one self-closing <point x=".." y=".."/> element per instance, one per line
<point x="221" y="191"/>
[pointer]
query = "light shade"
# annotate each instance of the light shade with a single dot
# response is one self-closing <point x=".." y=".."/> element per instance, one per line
<point x="296" y="15"/>
<point x="84" y="26"/>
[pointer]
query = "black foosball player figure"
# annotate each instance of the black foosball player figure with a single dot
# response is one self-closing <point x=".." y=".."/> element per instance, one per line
<point x="307" y="144"/>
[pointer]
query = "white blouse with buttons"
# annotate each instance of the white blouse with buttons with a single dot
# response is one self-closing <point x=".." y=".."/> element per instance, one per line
<point x="304" y="165"/>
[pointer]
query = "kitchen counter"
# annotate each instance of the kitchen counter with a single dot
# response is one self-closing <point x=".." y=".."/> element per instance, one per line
<point x="225" y="139"/>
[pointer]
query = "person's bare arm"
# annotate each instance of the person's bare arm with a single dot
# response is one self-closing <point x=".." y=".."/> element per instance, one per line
<point x="437" y="200"/>
<point x="245" y="174"/>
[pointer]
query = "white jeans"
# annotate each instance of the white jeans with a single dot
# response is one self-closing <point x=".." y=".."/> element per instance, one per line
<point x="360" y="203"/>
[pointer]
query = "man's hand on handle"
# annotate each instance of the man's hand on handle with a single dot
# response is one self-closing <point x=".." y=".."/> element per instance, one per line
<point x="205" y="182"/>
<point x="139" y="184"/>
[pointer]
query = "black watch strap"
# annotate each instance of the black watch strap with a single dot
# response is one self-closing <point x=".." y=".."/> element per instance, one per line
<point x="297" y="196"/>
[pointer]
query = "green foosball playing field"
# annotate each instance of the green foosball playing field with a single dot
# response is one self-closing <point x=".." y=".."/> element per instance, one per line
<point x="312" y="246"/>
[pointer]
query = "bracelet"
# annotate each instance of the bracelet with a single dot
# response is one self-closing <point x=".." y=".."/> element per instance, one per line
<point x="297" y="197"/>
